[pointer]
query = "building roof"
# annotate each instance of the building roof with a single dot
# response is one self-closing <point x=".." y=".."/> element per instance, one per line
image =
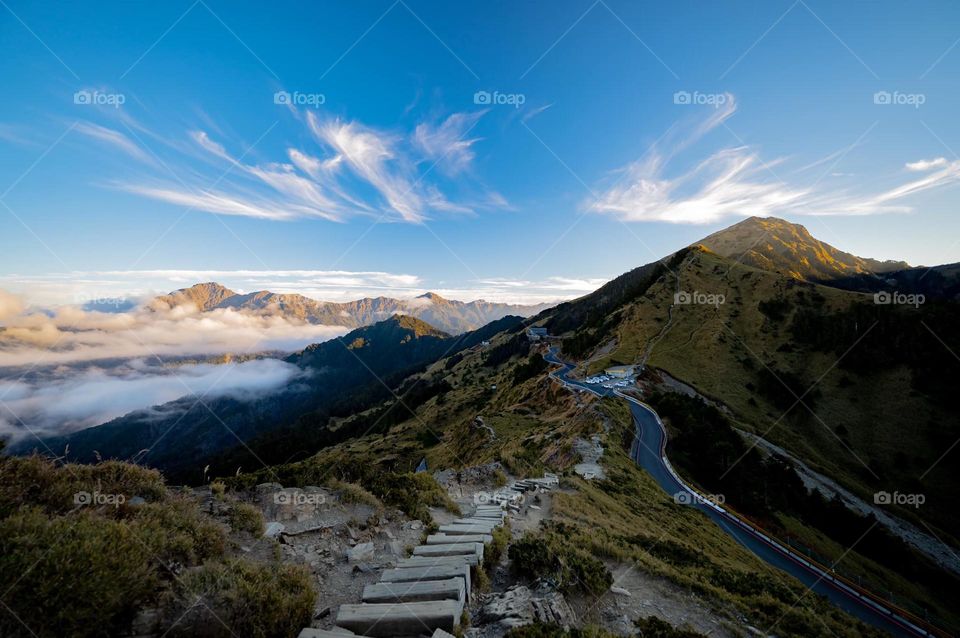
<point x="620" y="368"/>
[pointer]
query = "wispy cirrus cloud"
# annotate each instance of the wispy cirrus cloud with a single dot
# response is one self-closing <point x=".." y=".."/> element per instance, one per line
<point x="447" y="143"/>
<point x="115" y="139"/>
<point x="350" y="169"/>
<point x="737" y="181"/>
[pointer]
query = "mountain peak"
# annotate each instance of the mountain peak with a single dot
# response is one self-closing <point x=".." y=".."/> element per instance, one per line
<point x="418" y="327"/>
<point x="770" y="243"/>
<point x="205" y="296"/>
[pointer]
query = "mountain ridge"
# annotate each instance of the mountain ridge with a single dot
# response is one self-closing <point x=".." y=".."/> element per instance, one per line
<point x="774" y="244"/>
<point x="449" y="315"/>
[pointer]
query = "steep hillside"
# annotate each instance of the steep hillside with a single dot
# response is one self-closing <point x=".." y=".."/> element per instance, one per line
<point x="337" y="376"/>
<point x="772" y="338"/>
<point x="774" y="244"/>
<point x="936" y="282"/>
<point x="500" y="406"/>
<point x="449" y="315"/>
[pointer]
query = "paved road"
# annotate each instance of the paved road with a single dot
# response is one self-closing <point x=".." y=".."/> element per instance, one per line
<point x="649" y="453"/>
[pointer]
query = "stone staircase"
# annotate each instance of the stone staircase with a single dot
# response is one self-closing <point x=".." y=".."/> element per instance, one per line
<point x="426" y="593"/>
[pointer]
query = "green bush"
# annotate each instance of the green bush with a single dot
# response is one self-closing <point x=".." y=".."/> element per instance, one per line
<point x="548" y="555"/>
<point x="37" y="481"/>
<point x="176" y="533"/>
<point x="653" y="627"/>
<point x="495" y="548"/>
<point x="246" y="518"/>
<point x="218" y="489"/>
<point x="240" y="598"/>
<point x="412" y="492"/>
<point x="353" y="493"/>
<point x="76" y="575"/>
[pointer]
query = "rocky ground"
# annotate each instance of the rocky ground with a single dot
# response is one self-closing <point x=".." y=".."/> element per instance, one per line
<point x="347" y="544"/>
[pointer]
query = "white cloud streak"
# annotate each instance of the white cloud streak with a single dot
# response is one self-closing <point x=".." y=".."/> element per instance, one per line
<point x="353" y="170"/>
<point x="447" y="143"/>
<point x="926" y="165"/>
<point x="115" y="139"/>
<point x="737" y="182"/>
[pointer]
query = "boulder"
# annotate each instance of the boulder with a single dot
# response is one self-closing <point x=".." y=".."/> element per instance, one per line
<point x="360" y="553"/>
<point x="512" y="608"/>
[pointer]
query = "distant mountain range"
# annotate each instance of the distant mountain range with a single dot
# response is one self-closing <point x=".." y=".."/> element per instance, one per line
<point x="451" y="316"/>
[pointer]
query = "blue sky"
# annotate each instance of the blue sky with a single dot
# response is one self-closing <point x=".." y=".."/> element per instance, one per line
<point x="344" y="149"/>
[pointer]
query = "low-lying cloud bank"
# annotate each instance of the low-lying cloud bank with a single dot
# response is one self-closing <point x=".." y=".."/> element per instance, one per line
<point x="69" y="399"/>
<point x="72" y="335"/>
<point x="69" y="369"/>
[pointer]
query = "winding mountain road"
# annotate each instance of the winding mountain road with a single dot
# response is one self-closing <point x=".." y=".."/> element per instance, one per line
<point x="649" y="452"/>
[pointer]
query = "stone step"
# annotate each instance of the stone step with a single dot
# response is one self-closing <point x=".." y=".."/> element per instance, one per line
<point x="336" y="632"/>
<point x="420" y="561"/>
<point x="449" y="549"/>
<point x="450" y="589"/>
<point x="469" y="520"/>
<point x="459" y="530"/>
<point x="428" y="572"/>
<point x="439" y="633"/>
<point x="445" y="539"/>
<point x="400" y="619"/>
<point x="488" y="522"/>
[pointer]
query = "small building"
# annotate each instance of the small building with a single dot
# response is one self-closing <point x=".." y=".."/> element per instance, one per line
<point x="537" y="333"/>
<point x="619" y="372"/>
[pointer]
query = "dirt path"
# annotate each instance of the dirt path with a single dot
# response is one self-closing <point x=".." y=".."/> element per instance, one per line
<point x="642" y="595"/>
<point x="663" y="331"/>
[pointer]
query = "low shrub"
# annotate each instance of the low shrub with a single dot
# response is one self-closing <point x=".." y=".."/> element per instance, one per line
<point x="218" y="489"/>
<point x="246" y="518"/>
<point x="653" y="627"/>
<point x="548" y="555"/>
<point x="353" y="493"/>
<point x="76" y="575"/>
<point x="413" y="493"/>
<point x="240" y="598"/>
<point x="495" y="548"/>
<point x="37" y="481"/>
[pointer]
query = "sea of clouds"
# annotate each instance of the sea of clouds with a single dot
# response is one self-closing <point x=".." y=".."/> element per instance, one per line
<point x="70" y="368"/>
